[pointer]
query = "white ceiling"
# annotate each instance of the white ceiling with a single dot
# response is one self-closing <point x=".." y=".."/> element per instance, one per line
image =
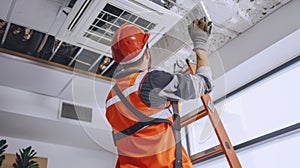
<point x="27" y="76"/>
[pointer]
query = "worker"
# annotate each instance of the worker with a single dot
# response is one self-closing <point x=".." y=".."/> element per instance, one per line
<point x="142" y="107"/>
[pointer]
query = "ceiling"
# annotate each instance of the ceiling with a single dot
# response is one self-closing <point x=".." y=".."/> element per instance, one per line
<point x="54" y="44"/>
<point x="63" y="35"/>
<point x="231" y="18"/>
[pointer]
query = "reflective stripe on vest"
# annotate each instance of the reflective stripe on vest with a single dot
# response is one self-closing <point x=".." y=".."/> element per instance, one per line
<point x="164" y="114"/>
<point x="127" y="91"/>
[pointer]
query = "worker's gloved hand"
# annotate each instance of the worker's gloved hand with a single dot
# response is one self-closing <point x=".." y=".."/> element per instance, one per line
<point x="199" y="32"/>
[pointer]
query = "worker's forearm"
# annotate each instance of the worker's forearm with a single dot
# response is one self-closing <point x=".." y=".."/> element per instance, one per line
<point x="187" y="86"/>
<point x="202" y="59"/>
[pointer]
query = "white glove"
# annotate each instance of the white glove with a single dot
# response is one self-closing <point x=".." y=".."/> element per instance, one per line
<point x="199" y="32"/>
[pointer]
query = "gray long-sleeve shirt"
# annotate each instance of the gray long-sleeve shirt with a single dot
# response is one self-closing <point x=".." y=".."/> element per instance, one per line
<point x="160" y="86"/>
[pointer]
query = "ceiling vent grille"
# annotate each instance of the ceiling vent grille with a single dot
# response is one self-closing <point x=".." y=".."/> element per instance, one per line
<point x="76" y="112"/>
<point x="110" y="19"/>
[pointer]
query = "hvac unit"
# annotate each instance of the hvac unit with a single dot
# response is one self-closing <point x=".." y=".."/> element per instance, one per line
<point x="92" y="23"/>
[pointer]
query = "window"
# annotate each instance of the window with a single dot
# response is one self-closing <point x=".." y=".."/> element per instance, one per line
<point x="265" y="107"/>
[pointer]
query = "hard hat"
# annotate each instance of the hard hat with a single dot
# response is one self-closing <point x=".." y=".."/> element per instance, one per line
<point x="128" y="44"/>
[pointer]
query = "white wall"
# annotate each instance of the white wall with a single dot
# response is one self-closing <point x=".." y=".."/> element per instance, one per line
<point x="64" y="156"/>
<point x="263" y="62"/>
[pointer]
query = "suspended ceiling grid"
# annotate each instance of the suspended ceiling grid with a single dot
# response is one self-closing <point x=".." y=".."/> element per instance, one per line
<point x="230" y="17"/>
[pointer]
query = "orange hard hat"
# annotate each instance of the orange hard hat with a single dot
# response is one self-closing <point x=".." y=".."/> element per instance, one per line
<point x="128" y="44"/>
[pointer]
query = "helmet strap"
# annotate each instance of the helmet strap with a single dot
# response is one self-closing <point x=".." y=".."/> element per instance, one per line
<point x="150" y="61"/>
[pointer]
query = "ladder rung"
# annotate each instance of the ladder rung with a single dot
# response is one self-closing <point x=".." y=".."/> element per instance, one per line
<point x="206" y="153"/>
<point x="186" y="120"/>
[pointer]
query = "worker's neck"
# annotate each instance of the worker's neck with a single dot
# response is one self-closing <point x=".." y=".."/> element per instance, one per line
<point x="142" y="68"/>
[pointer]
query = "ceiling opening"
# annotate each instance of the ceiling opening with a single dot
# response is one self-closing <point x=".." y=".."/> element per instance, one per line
<point x="41" y="45"/>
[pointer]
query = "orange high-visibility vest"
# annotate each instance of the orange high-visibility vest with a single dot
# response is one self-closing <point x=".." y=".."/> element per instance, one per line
<point x="151" y="146"/>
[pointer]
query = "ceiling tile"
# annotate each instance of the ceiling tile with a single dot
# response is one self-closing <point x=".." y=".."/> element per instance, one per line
<point x="31" y="77"/>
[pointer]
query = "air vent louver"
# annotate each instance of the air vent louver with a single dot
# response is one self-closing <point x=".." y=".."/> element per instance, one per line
<point x="168" y="4"/>
<point x="110" y="19"/>
<point x="76" y="112"/>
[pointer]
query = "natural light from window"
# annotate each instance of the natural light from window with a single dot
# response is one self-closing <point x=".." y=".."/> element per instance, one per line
<point x="265" y="107"/>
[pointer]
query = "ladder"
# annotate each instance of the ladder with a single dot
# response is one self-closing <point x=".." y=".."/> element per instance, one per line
<point x="225" y="144"/>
